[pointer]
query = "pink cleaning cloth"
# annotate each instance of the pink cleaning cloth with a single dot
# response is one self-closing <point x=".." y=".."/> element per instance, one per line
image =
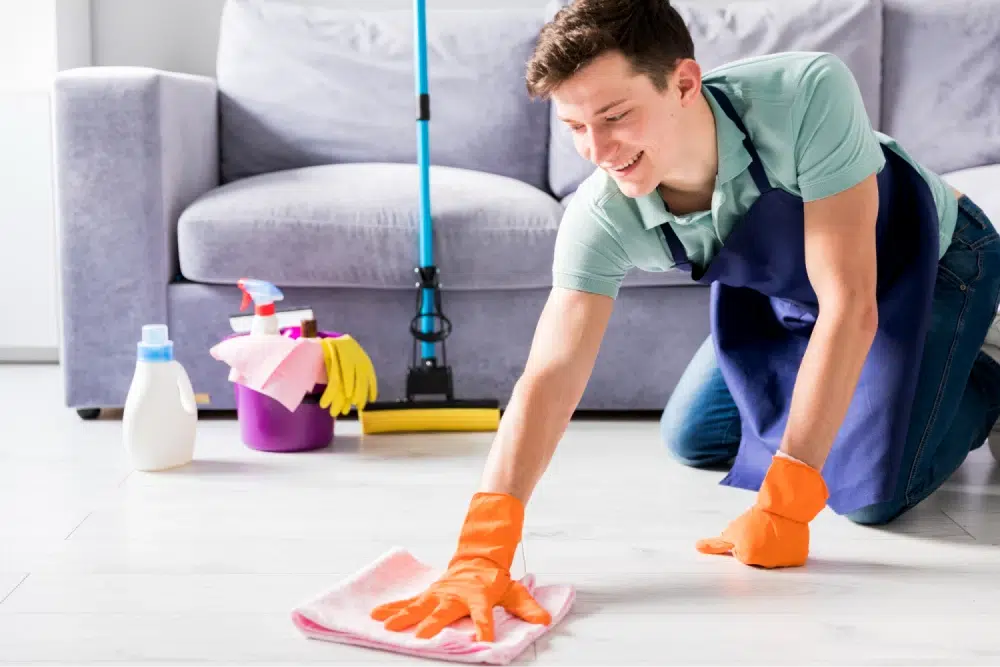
<point x="283" y="368"/>
<point x="343" y="615"/>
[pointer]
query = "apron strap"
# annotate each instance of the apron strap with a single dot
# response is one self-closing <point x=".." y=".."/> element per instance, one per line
<point x="681" y="260"/>
<point x="677" y="251"/>
<point x="756" y="166"/>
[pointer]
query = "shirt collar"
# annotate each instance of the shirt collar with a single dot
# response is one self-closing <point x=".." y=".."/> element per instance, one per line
<point x="733" y="160"/>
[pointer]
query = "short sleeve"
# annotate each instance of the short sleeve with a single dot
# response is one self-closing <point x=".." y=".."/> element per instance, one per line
<point x="588" y="255"/>
<point x="835" y="145"/>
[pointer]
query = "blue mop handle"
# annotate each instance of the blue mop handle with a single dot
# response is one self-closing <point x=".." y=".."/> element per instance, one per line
<point x="423" y="160"/>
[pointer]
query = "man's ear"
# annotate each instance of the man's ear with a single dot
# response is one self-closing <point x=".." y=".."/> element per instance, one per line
<point x="686" y="79"/>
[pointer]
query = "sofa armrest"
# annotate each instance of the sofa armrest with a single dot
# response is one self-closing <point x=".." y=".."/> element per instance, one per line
<point x="133" y="148"/>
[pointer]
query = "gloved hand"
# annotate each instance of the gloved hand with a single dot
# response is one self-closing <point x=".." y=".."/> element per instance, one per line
<point x="775" y="531"/>
<point x="350" y="375"/>
<point x="477" y="578"/>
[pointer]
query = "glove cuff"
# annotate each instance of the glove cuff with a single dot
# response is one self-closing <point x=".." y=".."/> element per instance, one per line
<point x="792" y="489"/>
<point x="492" y="529"/>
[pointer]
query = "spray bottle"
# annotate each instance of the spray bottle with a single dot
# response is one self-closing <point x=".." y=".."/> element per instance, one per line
<point x="263" y="294"/>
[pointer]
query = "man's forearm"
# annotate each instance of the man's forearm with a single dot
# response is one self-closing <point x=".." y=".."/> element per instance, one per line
<point x="533" y="423"/>
<point x="826" y="381"/>
<point x="563" y="351"/>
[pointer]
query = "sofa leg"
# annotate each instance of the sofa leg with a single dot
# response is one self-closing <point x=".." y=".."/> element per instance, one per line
<point x="89" y="414"/>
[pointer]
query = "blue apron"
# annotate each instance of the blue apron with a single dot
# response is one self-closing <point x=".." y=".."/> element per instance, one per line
<point x="763" y="309"/>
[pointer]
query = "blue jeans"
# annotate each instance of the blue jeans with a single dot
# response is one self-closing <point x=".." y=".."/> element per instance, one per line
<point x="958" y="391"/>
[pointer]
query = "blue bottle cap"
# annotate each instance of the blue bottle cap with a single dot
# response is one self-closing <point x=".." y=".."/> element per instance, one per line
<point x="155" y="344"/>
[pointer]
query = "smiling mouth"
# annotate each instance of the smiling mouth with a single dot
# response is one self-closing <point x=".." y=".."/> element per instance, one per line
<point x="627" y="165"/>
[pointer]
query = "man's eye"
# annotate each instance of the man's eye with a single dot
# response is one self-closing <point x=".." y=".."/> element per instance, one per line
<point x="618" y="117"/>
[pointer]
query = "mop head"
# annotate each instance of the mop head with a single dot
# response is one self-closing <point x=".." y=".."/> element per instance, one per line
<point x="430" y="403"/>
<point x="416" y="416"/>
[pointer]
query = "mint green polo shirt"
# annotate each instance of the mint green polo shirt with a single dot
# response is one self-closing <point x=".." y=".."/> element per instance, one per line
<point x="810" y="128"/>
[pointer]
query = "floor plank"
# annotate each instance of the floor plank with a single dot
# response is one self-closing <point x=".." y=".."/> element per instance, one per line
<point x="9" y="581"/>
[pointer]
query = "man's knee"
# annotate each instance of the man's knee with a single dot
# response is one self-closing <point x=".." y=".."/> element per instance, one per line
<point x="694" y="445"/>
<point x="700" y="424"/>
<point x="878" y="514"/>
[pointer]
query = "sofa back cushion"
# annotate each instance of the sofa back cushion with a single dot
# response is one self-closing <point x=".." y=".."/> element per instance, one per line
<point x="941" y="92"/>
<point x="726" y="31"/>
<point x="303" y="84"/>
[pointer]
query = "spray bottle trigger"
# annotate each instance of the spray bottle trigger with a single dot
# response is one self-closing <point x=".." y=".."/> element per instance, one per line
<point x="246" y="298"/>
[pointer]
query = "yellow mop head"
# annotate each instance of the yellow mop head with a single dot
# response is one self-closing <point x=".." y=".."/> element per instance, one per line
<point x="424" y="416"/>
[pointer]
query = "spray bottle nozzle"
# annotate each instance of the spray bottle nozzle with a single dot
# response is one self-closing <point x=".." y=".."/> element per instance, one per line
<point x="262" y="293"/>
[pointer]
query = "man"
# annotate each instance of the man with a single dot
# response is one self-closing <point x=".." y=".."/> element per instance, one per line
<point x="852" y="290"/>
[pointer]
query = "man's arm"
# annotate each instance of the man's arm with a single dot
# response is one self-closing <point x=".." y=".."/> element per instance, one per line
<point x="836" y="158"/>
<point x="563" y="351"/>
<point x="560" y="362"/>
<point x="841" y="264"/>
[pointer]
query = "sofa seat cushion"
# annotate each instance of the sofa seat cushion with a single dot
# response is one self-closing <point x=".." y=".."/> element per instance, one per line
<point x="980" y="184"/>
<point x="357" y="225"/>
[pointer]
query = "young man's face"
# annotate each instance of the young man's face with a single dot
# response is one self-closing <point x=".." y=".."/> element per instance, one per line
<point x="623" y="124"/>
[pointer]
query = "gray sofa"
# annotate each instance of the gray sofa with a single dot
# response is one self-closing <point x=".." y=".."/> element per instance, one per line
<point x="296" y="164"/>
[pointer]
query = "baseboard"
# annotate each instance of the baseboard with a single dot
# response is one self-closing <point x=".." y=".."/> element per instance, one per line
<point x="29" y="355"/>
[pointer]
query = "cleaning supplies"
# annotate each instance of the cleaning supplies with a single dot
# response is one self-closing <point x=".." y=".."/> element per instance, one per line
<point x="430" y="379"/>
<point x="277" y="378"/>
<point x="291" y="382"/>
<point x="160" y="416"/>
<point x="263" y="294"/>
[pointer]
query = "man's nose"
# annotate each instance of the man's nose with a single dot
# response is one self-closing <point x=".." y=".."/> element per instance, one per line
<point x="597" y="146"/>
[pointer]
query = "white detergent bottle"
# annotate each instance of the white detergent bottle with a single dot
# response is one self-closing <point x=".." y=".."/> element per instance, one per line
<point x="161" y="415"/>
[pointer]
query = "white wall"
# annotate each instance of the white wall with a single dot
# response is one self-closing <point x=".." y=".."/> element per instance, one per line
<point x="73" y="33"/>
<point x="178" y="35"/>
<point x="27" y="45"/>
<point x="37" y="39"/>
<point x="182" y="35"/>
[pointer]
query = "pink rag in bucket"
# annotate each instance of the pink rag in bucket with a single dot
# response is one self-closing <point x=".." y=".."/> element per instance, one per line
<point x="280" y="367"/>
<point x="343" y="615"/>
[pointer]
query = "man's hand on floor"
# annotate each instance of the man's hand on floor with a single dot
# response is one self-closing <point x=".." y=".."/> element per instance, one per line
<point x="477" y="579"/>
<point x="775" y="531"/>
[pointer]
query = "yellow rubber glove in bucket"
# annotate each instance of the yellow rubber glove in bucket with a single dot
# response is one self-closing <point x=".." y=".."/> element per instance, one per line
<point x="350" y="375"/>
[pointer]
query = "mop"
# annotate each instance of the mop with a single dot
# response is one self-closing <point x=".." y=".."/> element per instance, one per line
<point x="430" y="403"/>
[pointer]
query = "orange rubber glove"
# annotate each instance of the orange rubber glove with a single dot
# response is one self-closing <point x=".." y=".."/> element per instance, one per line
<point x="775" y="531"/>
<point x="477" y="578"/>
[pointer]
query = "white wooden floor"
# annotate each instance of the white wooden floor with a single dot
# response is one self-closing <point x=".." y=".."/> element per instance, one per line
<point x="203" y="564"/>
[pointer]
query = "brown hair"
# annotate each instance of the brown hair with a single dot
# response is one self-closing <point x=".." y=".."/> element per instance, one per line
<point x="649" y="33"/>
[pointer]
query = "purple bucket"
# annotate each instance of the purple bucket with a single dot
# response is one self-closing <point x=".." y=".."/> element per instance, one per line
<point x="268" y="426"/>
